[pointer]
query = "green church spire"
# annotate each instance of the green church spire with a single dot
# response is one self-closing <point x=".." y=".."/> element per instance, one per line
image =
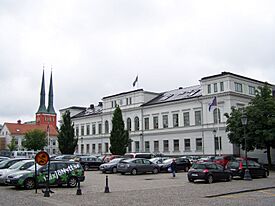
<point x="50" y="101"/>
<point x="42" y="107"/>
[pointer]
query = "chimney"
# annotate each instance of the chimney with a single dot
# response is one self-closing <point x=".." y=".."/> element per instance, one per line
<point x="180" y="87"/>
<point x="19" y="121"/>
<point x="100" y="104"/>
<point x="92" y="106"/>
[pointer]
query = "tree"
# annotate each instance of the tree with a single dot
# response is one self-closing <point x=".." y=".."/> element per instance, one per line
<point x="35" y="140"/>
<point x="66" y="139"/>
<point x="12" y="145"/>
<point x="260" y="130"/>
<point x="119" y="138"/>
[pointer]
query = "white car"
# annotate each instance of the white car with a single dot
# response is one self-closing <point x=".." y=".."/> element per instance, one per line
<point x="21" y="165"/>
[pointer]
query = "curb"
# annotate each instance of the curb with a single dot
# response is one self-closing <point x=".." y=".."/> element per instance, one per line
<point x="240" y="191"/>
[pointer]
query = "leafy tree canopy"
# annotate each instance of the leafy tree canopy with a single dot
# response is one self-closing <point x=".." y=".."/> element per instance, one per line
<point x="35" y="140"/>
<point x="67" y="141"/>
<point x="12" y="145"/>
<point x="260" y="129"/>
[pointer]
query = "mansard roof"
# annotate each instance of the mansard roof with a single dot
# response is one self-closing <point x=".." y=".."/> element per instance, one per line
<point x="176" y="95"/>
<point x="95" y="110"/>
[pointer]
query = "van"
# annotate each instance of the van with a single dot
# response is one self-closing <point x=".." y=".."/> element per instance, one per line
<point x="23" y="154"/>
<point x="139" y="155"/>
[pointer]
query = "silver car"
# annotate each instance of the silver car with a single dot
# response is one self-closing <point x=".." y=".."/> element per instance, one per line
<point x="137" y="166"/>
<point x="18" y="166"/>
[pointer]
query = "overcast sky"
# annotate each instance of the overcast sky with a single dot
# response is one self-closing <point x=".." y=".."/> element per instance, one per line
<point x="96" y="48"/>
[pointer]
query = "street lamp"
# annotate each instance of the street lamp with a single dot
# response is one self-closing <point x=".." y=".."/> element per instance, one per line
<point x="214" y="133"/>
<point x="247" y="175"/>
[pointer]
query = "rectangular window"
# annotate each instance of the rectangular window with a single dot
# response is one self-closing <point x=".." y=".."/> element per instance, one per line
<point x="187" y="145"/>
<point x="112" y="104"/>
<point x="127" y="101"/>
<point x="88" y="148"/>
<point x="221" y="86"/>
<point x="186" y="119"/>
<point x="215" y="87"/>
<point x="77" y="131"/>
<point x="93" y="129"/>
<point x="88" y="129"/>
<point x="99" y="148"/>
<point x="165" y="146"/>
<point x="176" y="145"/>
<point x="175" y="120"/>
<point x="199" y="144"/>
<point x="218" y="143"/>
<point x="99" y="128"/>
<point x="165" y="121"/>
<point x="156" y="122"/>
<point x="238" y="87"/>
<point x="82" y="148"/>
<point x="146" y="123"/>
<point x="156" y="146"/>
<point x="197" y="117"/>
<point x="106" y="147"/>
<point x="93" y="148"/>
<point x="209" y="88"/>
<point x="147" y="146"/>
<point x="130" y="100"/>
<point x="82" y="130"/>
<point x="251" y="90"/>
<point x="137" y="146"/>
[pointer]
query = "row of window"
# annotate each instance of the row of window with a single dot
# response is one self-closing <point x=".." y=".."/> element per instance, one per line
<point x="165" y="123"/>
<point x="126" y="101"/>
<point x="85" y="149"/>
<point x="238" y="88"/>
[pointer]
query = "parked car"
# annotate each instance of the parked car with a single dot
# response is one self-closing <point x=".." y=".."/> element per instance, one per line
<point x="7" y="163"/>
<point x="64" y="157"/>
<point x="238" y="167"/>
<point x="110" y="166"/>
<point x="223" y="160"/>
<point x="139" y="155"/>
<point x="89" y="162"/>
<point x="137" y="166"/>
<point x="209" y="172"/>
<point x="61" y="172"/>
<point x="181" y="164"/>
<point x="108" y="158"/>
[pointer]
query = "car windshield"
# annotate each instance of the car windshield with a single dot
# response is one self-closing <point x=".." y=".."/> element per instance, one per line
<point x="3" y="163"/>
<point x="167" y="161"/>
<point x="17" y="165"/>
<point x="32" y="168"/>
<point x="199" y="166"/>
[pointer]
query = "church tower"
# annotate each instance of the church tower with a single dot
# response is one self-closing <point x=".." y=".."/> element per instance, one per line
<point x="43" y="115"/>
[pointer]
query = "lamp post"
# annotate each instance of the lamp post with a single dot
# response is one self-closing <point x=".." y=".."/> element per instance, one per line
<point x="214" y="133"/>
<point x="247" y="175"/>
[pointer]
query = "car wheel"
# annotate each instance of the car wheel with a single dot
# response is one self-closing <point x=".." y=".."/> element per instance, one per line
<point x="72" y="182"/>
<point x="86" y="167"/>
<point x="114" y="170"/>
<point x="229" y="178"/>
<point x="210" y="179"/>
<point x="190" y="180"/>
<point x="29" y="184"/>
<point x="134" y="172"/>
<point x="155" y="171"/>
<point x="265" y="174"/>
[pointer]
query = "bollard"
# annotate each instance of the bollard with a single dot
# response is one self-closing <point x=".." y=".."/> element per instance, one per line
<point x="78" y="191"/>
<point x="107" y="186"/>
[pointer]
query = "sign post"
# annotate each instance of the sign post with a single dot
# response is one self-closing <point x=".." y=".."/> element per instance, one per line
<point x="42" y="158"/>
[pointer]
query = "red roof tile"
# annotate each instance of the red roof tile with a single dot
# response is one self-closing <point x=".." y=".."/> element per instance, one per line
<point x="21" y="129"/>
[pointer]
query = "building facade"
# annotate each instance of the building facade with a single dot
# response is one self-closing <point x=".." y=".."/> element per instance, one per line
<point x="176" y="122"/>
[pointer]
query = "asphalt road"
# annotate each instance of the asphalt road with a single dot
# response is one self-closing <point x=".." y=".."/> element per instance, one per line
<point x="150" y="189"/>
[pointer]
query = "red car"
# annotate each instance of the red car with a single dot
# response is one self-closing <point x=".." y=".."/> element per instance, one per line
<point x="223" y="160"/>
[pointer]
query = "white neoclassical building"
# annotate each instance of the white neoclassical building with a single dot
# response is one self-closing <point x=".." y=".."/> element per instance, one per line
<point x="176" y="122"/>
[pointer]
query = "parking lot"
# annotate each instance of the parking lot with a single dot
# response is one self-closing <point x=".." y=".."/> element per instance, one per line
<point x="149" y="189"/>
